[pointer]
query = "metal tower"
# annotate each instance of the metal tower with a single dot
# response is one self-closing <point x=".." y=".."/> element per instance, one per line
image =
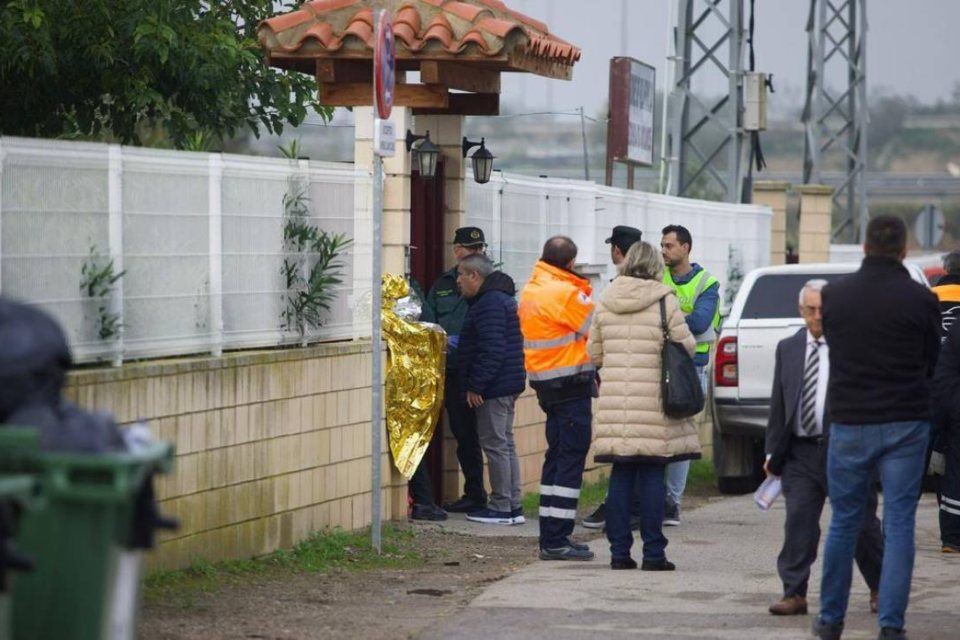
<point x="705" y="143"/>
<point x="835" y="115"/>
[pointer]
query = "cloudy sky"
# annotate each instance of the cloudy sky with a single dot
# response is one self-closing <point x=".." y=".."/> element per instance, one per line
<point x="912" y="47"/>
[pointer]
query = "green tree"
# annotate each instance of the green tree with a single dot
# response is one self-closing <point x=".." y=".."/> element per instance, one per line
<point x="143" y="71"/>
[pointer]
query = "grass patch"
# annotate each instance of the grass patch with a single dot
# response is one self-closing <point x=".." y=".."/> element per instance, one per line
<point x="323" y="551"/>
<point x="701" y="480"/>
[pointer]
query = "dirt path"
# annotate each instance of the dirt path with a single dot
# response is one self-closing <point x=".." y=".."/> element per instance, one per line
<point x="388" y="603"/>
<point x="376" y="603"/>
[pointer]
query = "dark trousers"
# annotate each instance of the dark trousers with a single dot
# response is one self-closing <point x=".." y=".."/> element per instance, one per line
<point x="420" y="485"/>
<point x="463" y="425"/>
<point x="949" y="494"/>
<point x="643" y="484"/>
<point x="805" y="491"/>
<point x="568" y="440"/>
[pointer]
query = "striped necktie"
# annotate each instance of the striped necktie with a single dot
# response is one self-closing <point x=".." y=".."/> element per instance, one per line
<point x="808" y="399"/>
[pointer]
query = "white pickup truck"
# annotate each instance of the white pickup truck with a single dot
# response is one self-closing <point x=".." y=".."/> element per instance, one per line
<point x="763" y="313"/>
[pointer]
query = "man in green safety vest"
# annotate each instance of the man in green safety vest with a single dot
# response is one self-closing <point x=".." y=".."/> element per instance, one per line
<point x="699" y="295"/>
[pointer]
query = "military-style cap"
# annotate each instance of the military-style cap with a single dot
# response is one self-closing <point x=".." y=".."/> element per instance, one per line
<point x="468" y="236"/>
<point x="623" y="237"/>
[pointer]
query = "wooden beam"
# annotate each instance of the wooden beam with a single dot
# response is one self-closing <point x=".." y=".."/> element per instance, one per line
<point x="357" y="94"/>
<point x="466" y="104"/>
<point x="460" y="76"/>
<point x="330" y="70"/>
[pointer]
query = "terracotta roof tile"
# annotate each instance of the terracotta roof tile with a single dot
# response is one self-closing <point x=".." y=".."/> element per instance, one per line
<point x="469" y="28"/>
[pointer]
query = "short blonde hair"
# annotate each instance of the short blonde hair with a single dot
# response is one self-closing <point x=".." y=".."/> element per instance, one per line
<point x="644" y="261"/>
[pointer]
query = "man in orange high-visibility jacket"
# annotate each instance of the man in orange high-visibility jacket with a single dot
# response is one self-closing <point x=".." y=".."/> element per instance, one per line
<point x="948" y="292"/>
<point x="555" y="315"/>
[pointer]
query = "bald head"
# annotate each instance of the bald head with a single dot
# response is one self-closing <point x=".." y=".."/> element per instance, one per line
<point x="560" y="251"/>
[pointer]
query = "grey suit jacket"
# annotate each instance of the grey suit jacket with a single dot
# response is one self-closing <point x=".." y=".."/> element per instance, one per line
<point x="785" y="399"/>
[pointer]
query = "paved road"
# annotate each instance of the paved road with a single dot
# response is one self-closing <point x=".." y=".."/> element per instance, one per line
<point x="726" y="557"/>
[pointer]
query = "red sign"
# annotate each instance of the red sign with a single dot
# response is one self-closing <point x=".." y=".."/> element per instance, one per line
<point x="384" y="66"/>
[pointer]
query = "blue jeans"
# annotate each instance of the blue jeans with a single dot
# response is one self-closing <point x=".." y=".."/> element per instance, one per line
<point x="677" y="471"/>
<point x="856" y="452"/>
<point x="629" y="480"/>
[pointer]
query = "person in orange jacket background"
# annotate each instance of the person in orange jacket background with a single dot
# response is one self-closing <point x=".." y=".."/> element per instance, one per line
<point x="555" y="316"/>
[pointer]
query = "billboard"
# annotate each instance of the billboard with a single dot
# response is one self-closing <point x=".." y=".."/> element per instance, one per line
<point x="632" y="103"/>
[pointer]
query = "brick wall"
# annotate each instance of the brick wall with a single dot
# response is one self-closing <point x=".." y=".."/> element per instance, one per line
<point x="270" y="445"/>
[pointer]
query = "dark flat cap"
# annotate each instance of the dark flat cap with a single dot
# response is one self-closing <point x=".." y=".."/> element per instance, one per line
<point x="623" y="237"/>
<point x="468" y="236"/>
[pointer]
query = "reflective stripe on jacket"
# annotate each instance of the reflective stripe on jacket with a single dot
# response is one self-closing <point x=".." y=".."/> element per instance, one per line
<point x="687" y="294"/>
<point x="555" y="316"/>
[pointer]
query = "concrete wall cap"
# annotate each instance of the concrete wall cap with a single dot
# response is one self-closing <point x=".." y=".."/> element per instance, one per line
<point x="771" y="185"/>
<point x="814" y="190"/>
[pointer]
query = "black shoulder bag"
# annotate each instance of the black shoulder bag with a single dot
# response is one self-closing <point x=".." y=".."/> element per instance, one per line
<point x="679" y="382"/>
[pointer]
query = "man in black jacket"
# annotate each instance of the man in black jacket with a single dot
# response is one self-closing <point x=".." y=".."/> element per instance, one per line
<point x="797" y="436"/>
<point x="946" y="398"/>
<point x="884" y="334"/>
<point x="492" y="375"/>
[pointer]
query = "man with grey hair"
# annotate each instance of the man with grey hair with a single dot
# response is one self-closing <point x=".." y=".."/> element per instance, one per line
<point x="796" y="448"/>
<point x="492" y="375"/>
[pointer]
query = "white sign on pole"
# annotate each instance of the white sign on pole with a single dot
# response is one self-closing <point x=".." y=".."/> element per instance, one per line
<point x="384" y="138"/>
<point x="929" y="227"/>
<point x="642" y="94"/>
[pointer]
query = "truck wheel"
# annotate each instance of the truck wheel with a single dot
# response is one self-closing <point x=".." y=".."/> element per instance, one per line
<point x="738" y="463"/>
<point x="736" y="485"/>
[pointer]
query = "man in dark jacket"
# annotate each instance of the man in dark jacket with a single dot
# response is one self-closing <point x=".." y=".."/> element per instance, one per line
<point x="946" y="398"/>
<point x="492" y="375"/>
<point x="884" y="334"/>
<point x="445" y="306"/>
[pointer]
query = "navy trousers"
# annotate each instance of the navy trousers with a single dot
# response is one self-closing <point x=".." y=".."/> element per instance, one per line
<point x="568" y="440"/>
<point x="643" y="483"/>
<point x="950" y="490"/>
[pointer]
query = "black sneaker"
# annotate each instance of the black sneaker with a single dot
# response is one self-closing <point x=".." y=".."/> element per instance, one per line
<point x="596" y="519"/>
<point x="489" y="516"/>
<point x="430" y="512"/>
<point x="889" y="633"/>
<point x="566" y="552"/>
<point x="671" y="515"/>
<point x="657" y="565"/>
<point x="623" y="563"/>
<point x="517" y="516"/>
<point x="465" y="504"/>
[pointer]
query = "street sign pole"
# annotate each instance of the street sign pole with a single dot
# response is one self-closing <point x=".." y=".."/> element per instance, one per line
<point x="383" y="80"/>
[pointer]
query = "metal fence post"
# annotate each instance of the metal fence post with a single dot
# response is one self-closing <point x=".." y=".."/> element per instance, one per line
<point x="115" y="231"/>
<point x="215" y="231"/>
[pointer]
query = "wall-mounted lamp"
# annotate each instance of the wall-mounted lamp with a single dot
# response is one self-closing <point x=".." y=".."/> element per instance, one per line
<point x="425" y="153"/>
<point x="482" y="160"/>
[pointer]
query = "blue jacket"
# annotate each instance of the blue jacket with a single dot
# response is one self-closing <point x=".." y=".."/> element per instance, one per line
<point x="491" y="345"/>
<point x="703" y="312"/>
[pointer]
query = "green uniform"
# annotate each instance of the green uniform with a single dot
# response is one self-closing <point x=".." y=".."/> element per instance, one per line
<point x="445" y="306"/>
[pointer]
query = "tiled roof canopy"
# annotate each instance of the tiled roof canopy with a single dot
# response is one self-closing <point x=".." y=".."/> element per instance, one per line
<point x="461" y="44"/>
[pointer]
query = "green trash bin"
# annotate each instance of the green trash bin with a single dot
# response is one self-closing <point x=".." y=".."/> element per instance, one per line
<point x="16" y="493"/>
<point x="85" y="585"/>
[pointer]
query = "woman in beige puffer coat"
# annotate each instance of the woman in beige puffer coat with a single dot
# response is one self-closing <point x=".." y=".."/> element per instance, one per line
<point x="630" y="428"/>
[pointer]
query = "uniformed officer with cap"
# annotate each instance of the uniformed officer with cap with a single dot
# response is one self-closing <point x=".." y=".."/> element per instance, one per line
<point x="620" y="241"/>
<point x="445" y="306"/>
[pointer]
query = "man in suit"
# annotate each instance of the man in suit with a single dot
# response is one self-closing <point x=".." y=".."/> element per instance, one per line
<point x="796" y="451"/>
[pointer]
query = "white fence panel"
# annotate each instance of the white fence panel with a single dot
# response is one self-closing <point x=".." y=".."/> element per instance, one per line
<point x="200" y="237"/>
<point x="519" y="213"/>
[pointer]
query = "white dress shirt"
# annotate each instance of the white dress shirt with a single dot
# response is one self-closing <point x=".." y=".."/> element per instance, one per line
<point x="822" y="379"/>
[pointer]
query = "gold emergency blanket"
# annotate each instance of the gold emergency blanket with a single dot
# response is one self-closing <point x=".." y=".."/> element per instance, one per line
<point x="416" y="360"/>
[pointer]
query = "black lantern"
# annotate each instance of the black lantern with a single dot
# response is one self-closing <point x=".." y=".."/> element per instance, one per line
<point x="425" y="154"/>
<point x="482" y="160"/>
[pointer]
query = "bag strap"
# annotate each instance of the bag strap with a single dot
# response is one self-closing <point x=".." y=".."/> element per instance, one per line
<point x="663" y="320"/>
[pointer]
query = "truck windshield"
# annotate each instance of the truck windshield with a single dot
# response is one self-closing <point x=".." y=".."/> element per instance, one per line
<point x="775" y="295"/>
